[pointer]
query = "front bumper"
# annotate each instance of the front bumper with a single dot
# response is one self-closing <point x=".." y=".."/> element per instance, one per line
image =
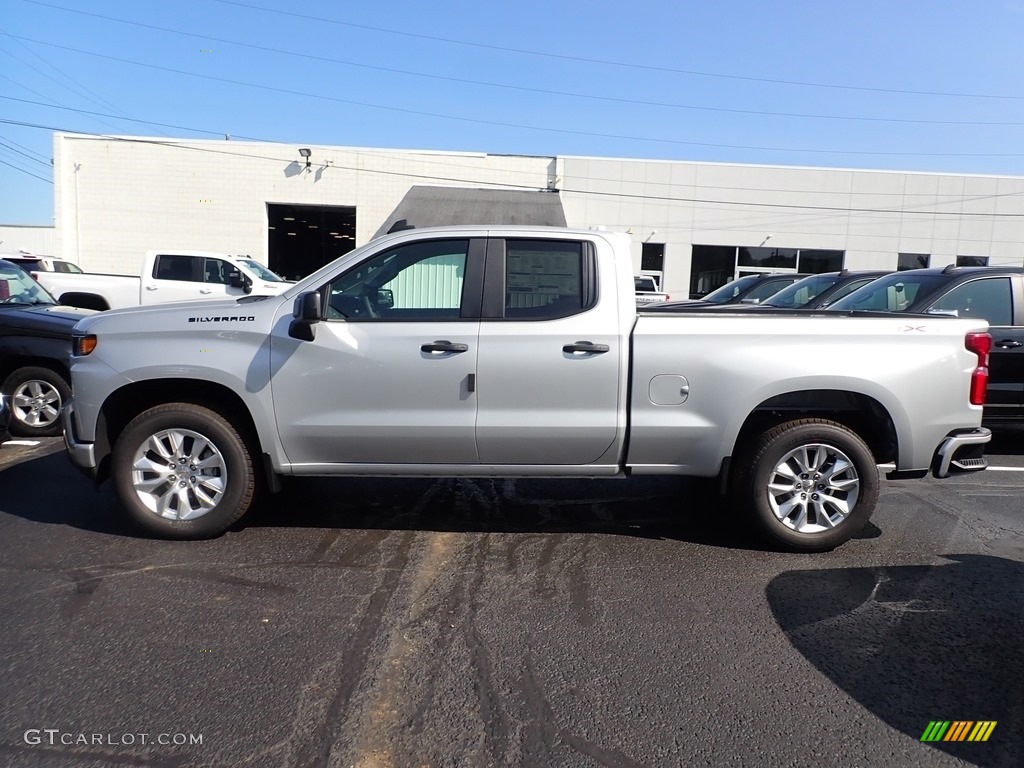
<point x="962" y="451"/>
<point x="82" y="455"/>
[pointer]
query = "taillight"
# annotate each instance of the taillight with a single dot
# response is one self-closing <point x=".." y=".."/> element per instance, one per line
<point x="980" y="344"/>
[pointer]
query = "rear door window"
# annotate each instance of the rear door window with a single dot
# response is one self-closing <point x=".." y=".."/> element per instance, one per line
<point x="545" y="279"/>
<point x="176" y="267"/>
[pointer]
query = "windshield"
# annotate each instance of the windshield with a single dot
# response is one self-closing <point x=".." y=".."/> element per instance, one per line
<point x="895" y="293"/>
<point x="16" y="287"/>
<point x="730" y="291"/>
<point x="801" y="293"/>
<point x="262" y="272"/>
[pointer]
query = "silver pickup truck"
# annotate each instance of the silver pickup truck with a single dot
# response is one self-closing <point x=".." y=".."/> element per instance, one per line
<point x="477" y="351"/>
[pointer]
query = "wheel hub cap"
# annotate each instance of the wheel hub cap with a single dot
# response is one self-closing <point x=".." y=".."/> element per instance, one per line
<point x="813" y="488"/>
<point x="179" y="474"/>
<point x="36" y="403"/>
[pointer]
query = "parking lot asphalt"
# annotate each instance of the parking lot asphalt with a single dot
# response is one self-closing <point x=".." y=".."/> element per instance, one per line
<point x="362" y="622"/>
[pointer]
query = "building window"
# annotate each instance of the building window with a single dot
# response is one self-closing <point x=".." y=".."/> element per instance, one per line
<point x="762" y="258"/>
<point x="711" y="267"/>
<point x="818" y="261"/>
<point x="913" y="261"/>
<point x="972" y="261"/>
<point x="653" y="257"/>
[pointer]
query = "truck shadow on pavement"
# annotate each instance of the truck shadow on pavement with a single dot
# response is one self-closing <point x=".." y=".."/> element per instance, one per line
<point x="48" y="490"/>
<point x="916" y="644"/>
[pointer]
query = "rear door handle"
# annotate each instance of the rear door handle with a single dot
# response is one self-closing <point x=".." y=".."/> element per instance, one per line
<point x="444" y="346"/>
<point x="1008" y="344"/>
<point x="205" y="290"/>
<point x="586" y="346"/>
<point x="152" y="287"/>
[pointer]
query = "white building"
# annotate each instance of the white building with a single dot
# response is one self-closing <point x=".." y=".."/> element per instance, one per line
<point x="696" y="225"/>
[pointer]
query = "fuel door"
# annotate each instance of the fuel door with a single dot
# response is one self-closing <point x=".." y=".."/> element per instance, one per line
<point x="669" y="389"/>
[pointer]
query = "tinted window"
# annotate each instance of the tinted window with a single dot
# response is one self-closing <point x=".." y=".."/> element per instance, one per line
<point x="418" y="281"/>
<point x="845" y="290"/>
<point x="801" y="292"/>
<point x="216" y="271"/>
<point x="66" y="266"/>
<point x="987" y="299"/>
<point x="543" y="279"/>
<point x="768" y="288"/>
<point x="169" y="267"/>
<point x="731" y="290"/>
<point x="894" y="293"/>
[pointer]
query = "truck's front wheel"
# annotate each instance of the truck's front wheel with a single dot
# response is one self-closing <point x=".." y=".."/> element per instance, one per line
<point x="810" y="484"/>
<point x="183" y="472"/>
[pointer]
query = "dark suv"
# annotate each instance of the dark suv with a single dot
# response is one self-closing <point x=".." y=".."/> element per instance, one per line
<point x="995" y="294"/>
<point x="35" y="346"/>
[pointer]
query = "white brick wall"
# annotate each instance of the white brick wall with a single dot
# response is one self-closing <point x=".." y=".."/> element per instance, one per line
<point x="117" y="199"/>
<point x="39" y="240"/>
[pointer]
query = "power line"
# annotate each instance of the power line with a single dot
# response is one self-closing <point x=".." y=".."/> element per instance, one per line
<point x="659" y="198"/>
<point x="27" y="149"/>
<point x="955" y="198"/>
<point x="502" y="124"/>
<point x="527" y="89"/>
<point x="90" y="95"/>
<point x="27" y="173"/>
<point x="24" y="154"/>
<point x="129" y="119"/>
<point x="36" y="69"/>
<point x="612" y="63"/>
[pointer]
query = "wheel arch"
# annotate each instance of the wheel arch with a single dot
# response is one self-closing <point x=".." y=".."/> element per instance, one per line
<point x="862" y="414"/>
<point x="10" y="363"/>
<point x="129" y="401"/>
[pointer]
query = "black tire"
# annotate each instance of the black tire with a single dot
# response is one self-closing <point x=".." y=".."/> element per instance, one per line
<point x="234" y="457"/>
<point x="40" y="419"/>
<point x="770" y="512"/>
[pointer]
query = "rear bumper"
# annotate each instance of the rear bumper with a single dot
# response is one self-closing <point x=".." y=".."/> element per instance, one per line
<point x="82" y="455"/>
<point x="962" y="451"/>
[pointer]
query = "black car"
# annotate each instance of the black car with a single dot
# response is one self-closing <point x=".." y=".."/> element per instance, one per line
<point x="995" y="294"/>
<point x="35" y="346"/>
<point x="749" y="289"/>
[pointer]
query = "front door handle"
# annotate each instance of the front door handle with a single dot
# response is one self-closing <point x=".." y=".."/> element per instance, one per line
<point x="1008" y="344"/>
<point x="205" y="290"/>
<point x="152" y="287"/>
<point x="586" y="346"/>
<point x="443" y="345"/>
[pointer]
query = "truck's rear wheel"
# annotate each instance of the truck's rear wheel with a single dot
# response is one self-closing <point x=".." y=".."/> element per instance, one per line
<point x="183" y="472"/>
<point x="810" y="484"/>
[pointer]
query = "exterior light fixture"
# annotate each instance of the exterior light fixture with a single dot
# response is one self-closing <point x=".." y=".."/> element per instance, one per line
<point x="304" y="152"/>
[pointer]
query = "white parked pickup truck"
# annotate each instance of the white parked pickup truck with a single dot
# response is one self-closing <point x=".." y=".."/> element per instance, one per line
<point x="647" y="291"/>
<point x="166" y="276"/>
<point x="512" y="351"/>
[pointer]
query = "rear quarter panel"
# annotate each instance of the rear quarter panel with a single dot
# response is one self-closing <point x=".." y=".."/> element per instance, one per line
<point x="917" y="369"/>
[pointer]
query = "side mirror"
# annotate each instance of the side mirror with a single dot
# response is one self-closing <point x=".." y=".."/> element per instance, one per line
<point x="306" y="315"/>
<point x="237" y="280"/>
<point x="385" y="298"/>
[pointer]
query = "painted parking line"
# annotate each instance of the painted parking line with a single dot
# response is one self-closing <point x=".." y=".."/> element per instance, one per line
<point x="891" y="467"/>
<point x="21" y="442"/>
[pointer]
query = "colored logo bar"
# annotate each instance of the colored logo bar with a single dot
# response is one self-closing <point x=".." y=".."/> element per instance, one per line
<point x="958" y="730"/>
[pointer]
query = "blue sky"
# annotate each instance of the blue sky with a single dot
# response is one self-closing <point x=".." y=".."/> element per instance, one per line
<point x="911" y="85"/>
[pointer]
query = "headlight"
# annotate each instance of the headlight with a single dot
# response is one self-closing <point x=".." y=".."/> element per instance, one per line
<point x="83" y="345"/>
